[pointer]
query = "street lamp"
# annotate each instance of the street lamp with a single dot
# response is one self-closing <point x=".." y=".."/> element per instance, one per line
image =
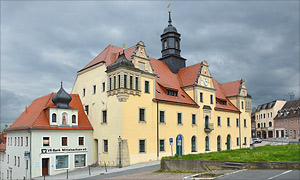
<point x="120" y="143"/>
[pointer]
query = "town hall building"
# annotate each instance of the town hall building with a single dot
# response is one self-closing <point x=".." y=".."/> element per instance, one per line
<point x="139" y="105"/>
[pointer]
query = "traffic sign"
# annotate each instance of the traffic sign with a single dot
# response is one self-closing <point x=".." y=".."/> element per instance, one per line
<point x="171" y="141"/>
<point x="179" y="137"/>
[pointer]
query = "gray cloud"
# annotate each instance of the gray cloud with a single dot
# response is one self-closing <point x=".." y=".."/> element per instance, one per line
<point x="43" y="43"/>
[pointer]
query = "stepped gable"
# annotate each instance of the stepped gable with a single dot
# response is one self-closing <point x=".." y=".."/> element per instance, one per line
<point x="167" y="80"/>
<point x="220" y="95"/>
<point x="231" y="88"/>
<point x="36" y="115"/>
<point x="109" y="55"/>
<point x="188" y="75"/>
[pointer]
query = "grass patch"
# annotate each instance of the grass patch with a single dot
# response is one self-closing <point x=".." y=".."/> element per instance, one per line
<point x="279" y="153"/>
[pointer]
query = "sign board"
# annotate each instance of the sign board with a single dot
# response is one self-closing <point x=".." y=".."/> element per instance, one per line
<point x="26" y="154"/>
<point x="179" y="140"/>
<point x="59" y="150"/>
<point x="171" y="141"/>
<point x="178" y="137"/>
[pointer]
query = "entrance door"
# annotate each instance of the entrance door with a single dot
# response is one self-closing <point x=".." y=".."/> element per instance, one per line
<point x="179" y="145"/>
<point x="45" y="162"/>
<point x="228" y="142"/>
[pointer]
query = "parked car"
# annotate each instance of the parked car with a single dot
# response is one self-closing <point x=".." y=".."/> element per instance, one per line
<point x="256" y="140"/>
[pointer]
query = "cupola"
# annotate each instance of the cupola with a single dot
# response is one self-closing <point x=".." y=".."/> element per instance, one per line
<point x="62" y="99"/>
<point x="170" y="40"/>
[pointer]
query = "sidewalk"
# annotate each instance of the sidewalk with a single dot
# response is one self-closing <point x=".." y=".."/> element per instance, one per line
<point x="84" y="172"/>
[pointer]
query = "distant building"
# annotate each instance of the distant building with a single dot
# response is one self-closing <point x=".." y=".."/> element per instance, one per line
<point x="52" y="135"/>
<point x="287" y="121"/>
<point x="264" y="118"/>
<point x="253" y="125"/>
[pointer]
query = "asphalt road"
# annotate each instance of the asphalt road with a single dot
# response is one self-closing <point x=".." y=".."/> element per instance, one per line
<point x="127" y="172"/>
<point x="263" y="175"/>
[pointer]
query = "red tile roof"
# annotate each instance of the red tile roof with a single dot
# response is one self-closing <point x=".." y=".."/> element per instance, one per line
<point x="231" y="88"/>
<point x="221" y="96"/>
<point x="188" y="75"/>
<point x="167" y="80"/>
<point x="109" y="55"/>
<point x="36" y="117"/>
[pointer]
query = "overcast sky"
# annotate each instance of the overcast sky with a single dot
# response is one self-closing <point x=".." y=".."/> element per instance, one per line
<point x="43" y="43"/>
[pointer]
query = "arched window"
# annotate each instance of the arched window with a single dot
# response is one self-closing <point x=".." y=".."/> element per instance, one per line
<point x="206" y="143"/>
<point x="64" y="118"/>
<point x="176" y="44"/>
<point x="270" y="124"/>
<point x="242" y="104"/>
<point x="165" y="44"/>
<point x="193" y="142"/>
<point x="73" y="118"/>
<point x="54" y="117"/>
<point x="219" y="143"/>
<point x="258" y="125"/>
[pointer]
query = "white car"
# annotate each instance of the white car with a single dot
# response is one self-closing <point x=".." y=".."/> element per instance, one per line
<point x="256" y="140"/>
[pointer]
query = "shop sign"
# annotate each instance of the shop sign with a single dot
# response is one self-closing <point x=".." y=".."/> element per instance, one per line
<point x="60" y="150"/>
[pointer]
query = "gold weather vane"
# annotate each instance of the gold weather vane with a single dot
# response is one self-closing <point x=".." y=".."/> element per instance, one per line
<point x="123" y="46"/>
<point x="169" y="4"/>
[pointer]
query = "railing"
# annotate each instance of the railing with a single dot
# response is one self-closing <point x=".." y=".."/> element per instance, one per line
<point x="208" y="127"/>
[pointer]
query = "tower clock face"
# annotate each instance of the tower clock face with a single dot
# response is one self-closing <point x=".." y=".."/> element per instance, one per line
<point x="205" y="82"/>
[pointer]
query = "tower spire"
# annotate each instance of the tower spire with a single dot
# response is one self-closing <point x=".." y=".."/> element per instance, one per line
<point x="170" y="21"/>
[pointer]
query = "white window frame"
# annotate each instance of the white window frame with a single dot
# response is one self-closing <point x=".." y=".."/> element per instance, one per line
<point x="144" y="114"/>
<point x="195" y="118"/>
<point x="164" y="120"/>
<point x="164" y="145"/>
<point x="145" y="148"/>
<point x="104" y="146"/>
<point x="181" y="118"/>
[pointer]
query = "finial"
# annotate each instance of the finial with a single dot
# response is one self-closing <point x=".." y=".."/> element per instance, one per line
<point x="61" y="84"/>
<point x="170" y="21"/>
<point x="123" y="46"/>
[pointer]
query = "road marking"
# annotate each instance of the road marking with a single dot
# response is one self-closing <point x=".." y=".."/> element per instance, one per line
<point x="280" y="174"/>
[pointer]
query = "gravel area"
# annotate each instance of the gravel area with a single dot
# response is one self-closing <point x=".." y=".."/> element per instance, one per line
<point x="149" y="175"/>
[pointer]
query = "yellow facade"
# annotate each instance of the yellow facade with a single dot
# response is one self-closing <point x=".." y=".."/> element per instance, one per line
<point x="123" y="111"/>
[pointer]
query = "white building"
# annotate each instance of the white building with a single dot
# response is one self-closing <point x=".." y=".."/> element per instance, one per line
<point x="52" y="135"/>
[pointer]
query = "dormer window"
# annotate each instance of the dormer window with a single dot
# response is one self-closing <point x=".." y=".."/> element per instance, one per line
<point x="172" y="93"/>
<point x="64" y="118"/>
<point x="54" y="118"/>
<point x="74" y="119"/>
<point x="223" y="102"/>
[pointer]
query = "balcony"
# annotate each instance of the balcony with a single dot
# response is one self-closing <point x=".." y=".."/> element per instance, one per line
<point x="208" y="127"/>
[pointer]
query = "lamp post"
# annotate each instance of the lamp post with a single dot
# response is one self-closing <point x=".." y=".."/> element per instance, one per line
<point x="120" y="143"/>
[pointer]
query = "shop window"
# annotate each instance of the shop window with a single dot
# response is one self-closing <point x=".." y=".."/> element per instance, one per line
<point x="46" y="141"/>
<point x="80" y="160"/>
<point x="61" y="162"/>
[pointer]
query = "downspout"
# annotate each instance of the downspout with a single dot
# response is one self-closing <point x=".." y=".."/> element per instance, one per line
<point x="157" y="130"/>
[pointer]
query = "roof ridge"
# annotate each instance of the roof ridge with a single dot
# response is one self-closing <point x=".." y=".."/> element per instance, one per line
<point x="230" y="81"/>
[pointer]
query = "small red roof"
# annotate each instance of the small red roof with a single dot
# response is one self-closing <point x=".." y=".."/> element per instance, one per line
<point x="36" y="117"/>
